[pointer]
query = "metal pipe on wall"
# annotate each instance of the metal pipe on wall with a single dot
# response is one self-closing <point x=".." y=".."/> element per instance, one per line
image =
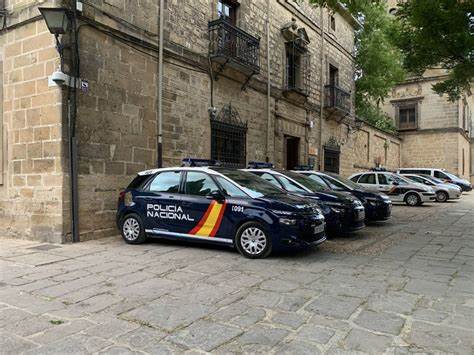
<point x="321" y="109"/>
<point x="160" y="86"/>
<point x="269" y="97"/>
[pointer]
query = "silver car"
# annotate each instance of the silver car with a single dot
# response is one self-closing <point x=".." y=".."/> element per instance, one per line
<point x="444" y="191"/>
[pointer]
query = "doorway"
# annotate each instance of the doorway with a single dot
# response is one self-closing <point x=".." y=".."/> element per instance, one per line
<point x="292" y="152"/>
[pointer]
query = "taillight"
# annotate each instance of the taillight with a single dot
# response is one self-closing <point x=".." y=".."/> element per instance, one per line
<point x="121" y="195"/>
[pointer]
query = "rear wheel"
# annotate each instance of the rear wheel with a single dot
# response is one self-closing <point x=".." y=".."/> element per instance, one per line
<point x="412" y="199"/>
<point x="442" y="196"/>
<point x="132" y="229"/>
<point x="252" y="241"/>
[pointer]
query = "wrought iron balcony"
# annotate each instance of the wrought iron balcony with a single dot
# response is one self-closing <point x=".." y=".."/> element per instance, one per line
<point x="337" y="98"/>
<point x="231" y="45"/>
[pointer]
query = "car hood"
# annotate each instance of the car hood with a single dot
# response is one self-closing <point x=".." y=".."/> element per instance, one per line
<point x="286" y="202"/>
<point x="331" y="196"/>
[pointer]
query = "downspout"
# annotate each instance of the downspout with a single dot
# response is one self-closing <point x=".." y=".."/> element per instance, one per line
<point x="160" y="86"/>
<point x="269" y="113"/>
<point x="72" y="115"/>
<point x="321" y="109"/>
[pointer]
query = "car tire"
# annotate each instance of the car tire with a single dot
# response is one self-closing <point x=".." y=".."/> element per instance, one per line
<point x="442" y="196"/>
<point x="252" y="241"/>
<point x="132" y="229"/>
<point x="412" y="199"/>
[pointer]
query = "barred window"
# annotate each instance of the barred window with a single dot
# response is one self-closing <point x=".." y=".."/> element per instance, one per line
<point x="229" y="138"/>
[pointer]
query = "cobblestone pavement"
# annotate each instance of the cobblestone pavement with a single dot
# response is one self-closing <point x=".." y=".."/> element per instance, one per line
<point x="398" y="287"/>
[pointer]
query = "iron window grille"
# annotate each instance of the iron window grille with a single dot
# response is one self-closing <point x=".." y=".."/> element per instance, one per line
<point x="298" y="67"/>
<point x="229" y="138"/>
<point x="228" y="42"/>
<point x="337" y="98"/>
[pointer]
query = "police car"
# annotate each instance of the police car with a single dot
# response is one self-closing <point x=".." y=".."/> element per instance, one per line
<point x="343" y="212"/>
<point x="397" y="187"/>
<point x="378" y="206"/>
<point x="217" y="205"/>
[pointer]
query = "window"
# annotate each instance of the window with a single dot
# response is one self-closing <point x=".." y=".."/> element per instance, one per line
<point x="321" y="180"/>
<point x="440" y="175"/>
<point x="270" y="178"/>
<point x="227" y="10"/>
<point x="229" y="188"/>
<point x="355" y="178"/>
<point x="367" y="179"/>
<point x="229" y="138"/>
<point x="331" y="160"/>
<point x="332" y="22"/>
<point x="407" y="117"/>
<point x="199" y="184"/>
<point x="297" y="67"/>
<point x="166" y="182"/>
<point x="290" y="185"/>
<point x="382" y="179"/>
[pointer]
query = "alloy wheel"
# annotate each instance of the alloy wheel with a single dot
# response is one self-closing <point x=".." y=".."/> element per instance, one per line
<point x="253" y="241"/>
<point x="131" y="229"/>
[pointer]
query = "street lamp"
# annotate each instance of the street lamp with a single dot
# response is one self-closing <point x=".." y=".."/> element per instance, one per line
<point x="62" y="21"/>
<point x="58" y="19"/>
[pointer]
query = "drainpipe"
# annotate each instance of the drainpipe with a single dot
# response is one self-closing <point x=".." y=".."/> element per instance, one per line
<point x="160" y="86"/>
<point x="72" y="114"/>
<point x="269" y="96"/>
<point x="321" y="110"/>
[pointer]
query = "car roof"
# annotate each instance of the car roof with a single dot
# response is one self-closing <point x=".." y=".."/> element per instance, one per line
<point x="207" y="169"/>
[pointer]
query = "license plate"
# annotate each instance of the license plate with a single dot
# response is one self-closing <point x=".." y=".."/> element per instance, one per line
<point x="360" y="215"/>
<point x="319" y="228"/>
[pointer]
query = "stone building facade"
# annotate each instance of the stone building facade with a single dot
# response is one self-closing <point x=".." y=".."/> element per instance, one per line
<point x="215" y="101"/>
<point x="435" y="132"/>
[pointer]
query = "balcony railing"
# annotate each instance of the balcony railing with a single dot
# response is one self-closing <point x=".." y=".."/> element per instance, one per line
<point x="337" y="98"/>
<point x="230" y="44"/>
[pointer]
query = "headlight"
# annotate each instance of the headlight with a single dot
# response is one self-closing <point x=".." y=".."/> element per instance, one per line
<point x="287" y="221"/>
<point x="336" y="206"/>
<point x="282" y="213"/>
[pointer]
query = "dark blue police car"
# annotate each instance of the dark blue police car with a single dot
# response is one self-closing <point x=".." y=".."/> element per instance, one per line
<point x="378" y="206"/>
<point x="217" y="205"/>
<point x="343" y="212"/>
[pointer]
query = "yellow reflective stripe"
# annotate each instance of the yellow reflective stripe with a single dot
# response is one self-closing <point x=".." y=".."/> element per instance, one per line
<point x="211" y="221"/>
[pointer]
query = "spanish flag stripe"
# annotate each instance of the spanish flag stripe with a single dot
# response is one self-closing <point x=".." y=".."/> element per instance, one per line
<point x="210" y="222"/>
<point x="203" y="219"/>
<point x="219" y="220"/>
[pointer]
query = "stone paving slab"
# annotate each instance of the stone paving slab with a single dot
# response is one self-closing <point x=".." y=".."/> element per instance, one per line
<point x="402" y="286"/>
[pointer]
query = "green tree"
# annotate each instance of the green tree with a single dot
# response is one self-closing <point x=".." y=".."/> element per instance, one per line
<point x="439" y="34"/>
<point x="378" y="59"/>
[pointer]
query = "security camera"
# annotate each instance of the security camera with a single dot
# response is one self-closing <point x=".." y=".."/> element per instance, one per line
<point x="212" y="111"/>
<point x="59" y="78"/>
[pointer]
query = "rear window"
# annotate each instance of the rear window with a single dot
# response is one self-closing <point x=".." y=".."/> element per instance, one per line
<point x="138" y="181"/>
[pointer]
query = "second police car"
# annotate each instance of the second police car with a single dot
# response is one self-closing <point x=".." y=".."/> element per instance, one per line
<point x="343" y="212"/>
<point x="217" y="205"/>
<point x="378" y="206"/>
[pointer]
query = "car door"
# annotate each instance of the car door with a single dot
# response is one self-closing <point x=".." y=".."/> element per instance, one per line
<point x="387" y="185"/>
<point x="369" y="181"/>
<point x="200" y="203"/>
<point x="160" y="202"/>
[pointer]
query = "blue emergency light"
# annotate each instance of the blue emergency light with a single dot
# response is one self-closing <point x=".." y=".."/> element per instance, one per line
<point x="259" y="165"/>
<point x="192" y="162"/>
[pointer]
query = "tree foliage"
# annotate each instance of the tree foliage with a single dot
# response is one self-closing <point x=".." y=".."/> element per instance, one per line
<point x="439" y="33"/>
<point x="379" y="65"/>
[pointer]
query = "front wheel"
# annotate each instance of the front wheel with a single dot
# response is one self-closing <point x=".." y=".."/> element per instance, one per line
<point x="252" y="241"/>
<point x="441" y="196"/>
<point x="412" y="199"/>
<point x="132" y="229"/>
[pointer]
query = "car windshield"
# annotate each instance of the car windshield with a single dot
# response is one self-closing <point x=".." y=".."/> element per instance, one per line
<point x="415" y="179"/>
<point x="433" y="179"/>
<point x="252" y="184"/>
<point x="305" y="181"/>
<point x="451" y="176"/>
<point x="345" y="181"/>
<point x="400" y="179"/>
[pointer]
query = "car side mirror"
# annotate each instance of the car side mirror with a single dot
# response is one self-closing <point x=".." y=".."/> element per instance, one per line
<point x="216" y="195"/>
<point x="395" y="183"/>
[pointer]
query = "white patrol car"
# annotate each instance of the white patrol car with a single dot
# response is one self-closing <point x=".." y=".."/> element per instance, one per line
<point x="444" y="192"/>
<point x="397" y="187"/>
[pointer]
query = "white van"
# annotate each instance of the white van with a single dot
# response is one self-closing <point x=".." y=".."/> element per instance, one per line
<point x="442" y="174"/>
